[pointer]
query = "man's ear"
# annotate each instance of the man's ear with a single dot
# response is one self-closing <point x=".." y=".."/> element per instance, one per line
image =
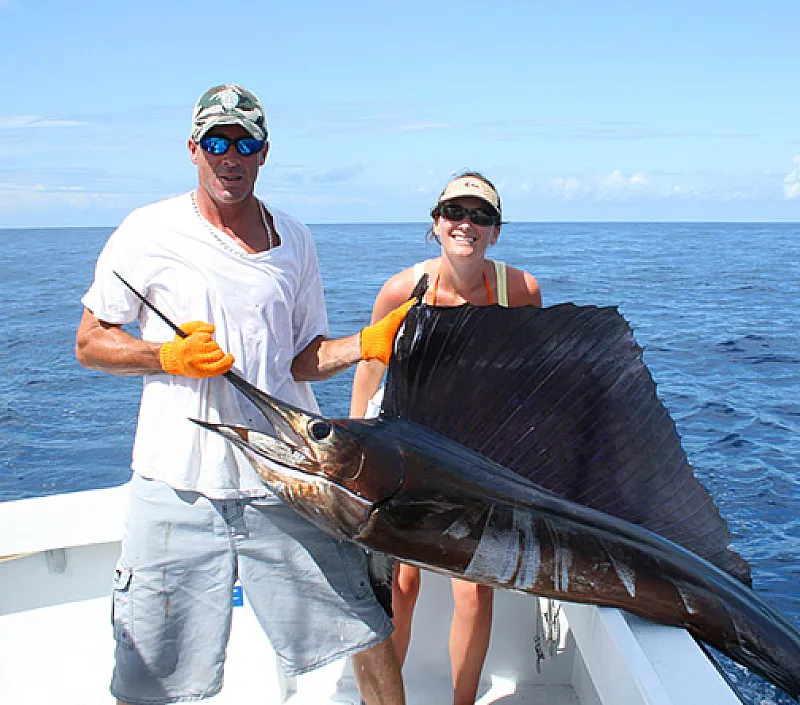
<point x="192" y="147"/>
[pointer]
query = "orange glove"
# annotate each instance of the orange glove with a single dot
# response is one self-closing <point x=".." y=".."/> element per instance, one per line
<point x="196" y="355"/>
<point x="377" y="340"/>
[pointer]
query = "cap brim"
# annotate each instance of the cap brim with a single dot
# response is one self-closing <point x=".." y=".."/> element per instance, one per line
<point x="252" y="129"/>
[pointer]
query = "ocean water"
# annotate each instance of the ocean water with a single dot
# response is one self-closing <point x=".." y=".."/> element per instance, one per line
<point x="714" y="305"/>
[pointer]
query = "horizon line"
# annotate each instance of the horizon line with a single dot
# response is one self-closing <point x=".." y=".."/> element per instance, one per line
<point x="586" y="221"/>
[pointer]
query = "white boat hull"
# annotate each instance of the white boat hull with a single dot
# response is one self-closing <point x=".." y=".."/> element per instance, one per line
<point x="57" y="556"/>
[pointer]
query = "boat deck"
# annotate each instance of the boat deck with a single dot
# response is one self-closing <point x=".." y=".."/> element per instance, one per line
<point x="71" y="643"/>
<point x="57" y="556"/>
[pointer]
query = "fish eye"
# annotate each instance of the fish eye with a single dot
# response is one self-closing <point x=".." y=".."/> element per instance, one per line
<point x="319" y="429"/>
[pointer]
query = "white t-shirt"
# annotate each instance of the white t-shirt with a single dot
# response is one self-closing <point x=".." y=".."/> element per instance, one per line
<point x="267" y="307"/>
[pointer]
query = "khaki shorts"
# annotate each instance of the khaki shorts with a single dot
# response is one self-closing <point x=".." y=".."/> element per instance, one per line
<point x="173" y="594"/>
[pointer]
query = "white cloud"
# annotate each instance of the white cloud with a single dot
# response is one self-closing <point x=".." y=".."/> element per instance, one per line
<point x="15" y="198"/>
<point x="357" y="119"/>
<point x="791" y="184"/>
<point x="611" y="186"/>
<point x="418" y="127"/>
<point x="21" y="122"/>
<point x="588" y="130"/>
<point x="616" y="184"/>
<point x="294" y="176"/>
<point x="568" y="188"/>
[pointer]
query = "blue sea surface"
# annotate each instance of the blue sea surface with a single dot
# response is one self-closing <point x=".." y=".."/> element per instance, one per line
<point x="715" y="307"/>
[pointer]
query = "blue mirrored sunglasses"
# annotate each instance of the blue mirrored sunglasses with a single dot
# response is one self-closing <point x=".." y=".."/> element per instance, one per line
<point x="219" y="145"/>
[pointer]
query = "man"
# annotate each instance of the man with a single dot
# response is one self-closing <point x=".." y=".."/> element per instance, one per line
<point x="199" y="517"/>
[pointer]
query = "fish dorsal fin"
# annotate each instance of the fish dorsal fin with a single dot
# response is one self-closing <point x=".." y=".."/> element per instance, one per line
<point x="561" y="396"/>
<point x="420" y="287"/>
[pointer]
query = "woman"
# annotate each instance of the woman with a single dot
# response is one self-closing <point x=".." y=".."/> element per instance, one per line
<point x="466" y="222"/>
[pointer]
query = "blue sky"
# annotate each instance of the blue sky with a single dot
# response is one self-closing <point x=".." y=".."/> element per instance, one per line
<point x="577" y="110"/>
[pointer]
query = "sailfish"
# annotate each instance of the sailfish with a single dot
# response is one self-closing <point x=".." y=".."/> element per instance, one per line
<point x="526" y="449"/>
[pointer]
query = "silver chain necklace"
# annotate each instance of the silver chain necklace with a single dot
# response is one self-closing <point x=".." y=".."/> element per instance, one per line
<point x="225" y="242"/>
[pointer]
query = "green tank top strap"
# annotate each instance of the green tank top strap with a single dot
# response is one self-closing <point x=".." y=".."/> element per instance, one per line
<point x="501" y="273"/>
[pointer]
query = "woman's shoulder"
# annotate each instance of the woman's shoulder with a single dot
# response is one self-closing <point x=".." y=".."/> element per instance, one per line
<point x="403" y="282"/>
<point x="523" y="288"/>
<point x="397" y="289"/>
<point x="399" y="285"/>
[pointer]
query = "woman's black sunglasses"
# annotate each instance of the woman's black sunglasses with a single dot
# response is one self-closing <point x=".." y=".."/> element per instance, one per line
<point x="477" y="216"/>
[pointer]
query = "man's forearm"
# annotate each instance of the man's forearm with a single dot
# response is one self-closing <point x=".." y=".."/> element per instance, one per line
<point x="325" y="357"/>
<point x="122" y="357"/>
<point x="107" y="348"/>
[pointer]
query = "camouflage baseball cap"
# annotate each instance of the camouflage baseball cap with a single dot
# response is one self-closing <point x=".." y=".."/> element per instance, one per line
<point x="229" y="105"/>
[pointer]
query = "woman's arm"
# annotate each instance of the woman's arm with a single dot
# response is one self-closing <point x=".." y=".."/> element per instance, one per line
<point x="366" y="382"/>
<point x="523" y="289"/>
<point x="369" y="374"/>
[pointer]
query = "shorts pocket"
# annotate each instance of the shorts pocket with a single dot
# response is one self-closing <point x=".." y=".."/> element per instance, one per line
<point x="122" y="605"/>
<point x="354" y="560"/>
